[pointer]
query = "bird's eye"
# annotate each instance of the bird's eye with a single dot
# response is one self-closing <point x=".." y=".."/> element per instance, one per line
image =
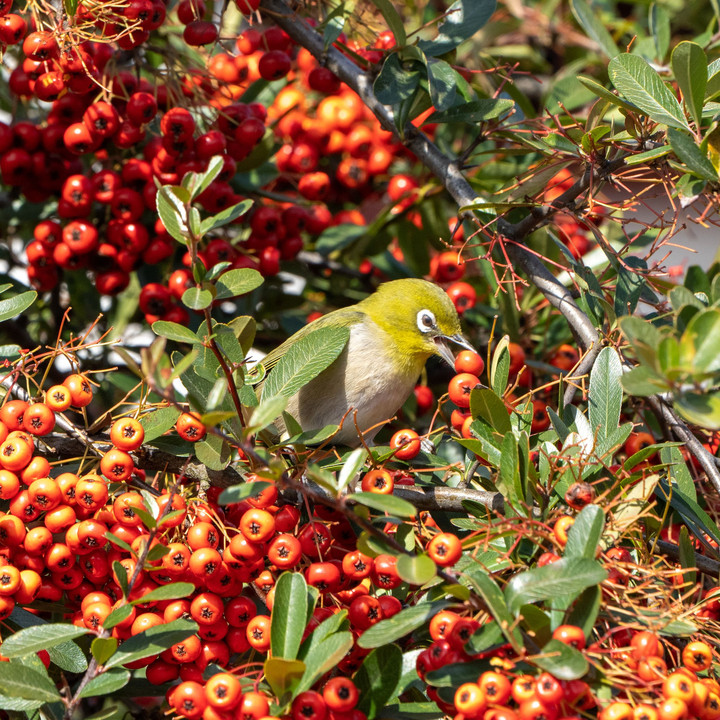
<point x="425" y="321"/>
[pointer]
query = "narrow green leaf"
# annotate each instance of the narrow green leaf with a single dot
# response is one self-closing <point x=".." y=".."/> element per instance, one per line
<point x="238" y="282"/>
<point x="152" y="642"/>
<point x="14" y="306"/>
<point x="602" y="92"/>
<point x="703" y="334"/>
<point x="20" y="681"/>
<point x="659" y="21"/>
<point x="593" y="27"/>
<point x="495" y="602"/>
<point x="407" y="620"/>
<point x="106" y="683"/>
<point x="585" y="533"/>
<point x="687" y="556"/>
<point x="384" y="503"/>
<point x="238" y="493"/>
<point x="689" y="65"/>
<point x="324" y="657"/>
<point x="605" y="395"/>
<point x="40" y="637"/>
<point x="486" y="404"/>
<point x="393" y="20"/>
<point x="678" y="471"/>
<point x="305" y="360"/>
<point x="569" y="576"/>
<point x="225" y="217"/>
<point x="693" y="515"/>
<point x="688" y="152"/>
<point x="352" y="464"/>
<point x="173" y="591"/>
<point x="642" y="86"/>
<point x="473" y="112"/>
<point x="289" y="613"/>
<point x="175" y="331"/>
<point x="123" y="612"/>
<point x="199" y="182"/>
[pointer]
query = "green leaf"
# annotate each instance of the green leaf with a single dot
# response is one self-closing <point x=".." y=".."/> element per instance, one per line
<point x="442" y="82"/>
<point x="486" y="404"/>
<point x="694" y="158"/>
<point x="20" y="705"/>
<point x="171" y="209"/>
<point x="237" y="282"/>
<point x="605" y="396"/>
<point x="39" y="637"/>
<point x="289" y="615"/>
<point x="103" y="649"/>
<point x="495" y="602"/>
<point x="196" y="298"/>
<point x="20" y="681"/>
<point x="393" y="20"/>
<point x="197" y="183"/>
<point x="702" y="409"/>
<point x="378" y="678"/>
<point x="689" y="65"/>
<point x="586" y="609"/>
<point x="703" y="335"/>
<point x="117" y="616"/>
<point x="176" y="332"/>
<point x="593" y="27"/>
<point x="158" y="422"/>
<point x="14" y="306"/>
<point x="462" y="20"/>
<point x="401" y="624"/>
<point x="267" y="412"/>
<point x="173" y="591"/>
<point x="473" y="112"/>
<point x="106" y="683"/>
<point x="687" y="556"/>
<point x="678" y="471"/>
<point x="305" y="360"/>
<point x="630" y="285"/>
<point x="602" y="92"/>
<point x="238" y="493"/>
<point x="384" y="503"/>
<point x="568" y="576"/>
<point x="152" y="642"/>
<point x="659" y="22"/>
<point x="324" y="657"/>
<point x="694" y="516"/>
<point x="397" y="81"/>
<point x="416" y="569"/>
<point x="562" y="661"/>
<point x="225" y="217"/>
<point x="644" y="381"/>
<point x="638" y="83"/>
<point x="283" y="675"/>
<point x="352" y="464"/>
<point x="585" y="533"/>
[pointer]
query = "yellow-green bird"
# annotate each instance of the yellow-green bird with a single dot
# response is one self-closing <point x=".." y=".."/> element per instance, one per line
<point x="392" y="333"/>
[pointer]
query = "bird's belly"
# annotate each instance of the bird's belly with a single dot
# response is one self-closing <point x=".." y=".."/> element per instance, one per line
<point x="363" y="379"/>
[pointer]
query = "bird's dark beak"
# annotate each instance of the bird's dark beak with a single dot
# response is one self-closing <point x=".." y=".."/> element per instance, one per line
<point x="445" y="352"/>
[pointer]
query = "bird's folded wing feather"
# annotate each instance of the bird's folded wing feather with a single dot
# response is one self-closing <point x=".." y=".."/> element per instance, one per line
<point x="337" y="318"/>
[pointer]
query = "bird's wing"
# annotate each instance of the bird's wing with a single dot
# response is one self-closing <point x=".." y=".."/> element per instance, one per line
<point x="343" y="317"/>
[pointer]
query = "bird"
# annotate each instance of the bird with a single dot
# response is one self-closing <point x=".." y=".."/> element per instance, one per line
<point x="393" y="332"/>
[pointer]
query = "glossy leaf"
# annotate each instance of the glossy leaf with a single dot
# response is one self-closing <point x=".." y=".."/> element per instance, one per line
<point x="702" y="409"/>
<point x="442" y="83"/>
<point x="171" y="209"/>
<point x="225" y="217"/>
<point x="283" y="675"/>
<point x="473" y="112"/>
<point x="152" y="642"/>
<point x="384" y="503"/>
<point x="407" y="620"/>
<point x="377" y="678"/>
<point x="323" y="657"/>
<point x="562" y="661"/>
<point x="173" y="591"/>
<point x="39" y="637"/>
<point x="486" y="404"/>
<point x="397" y="80"/>
<point x="106" y="683"/>
<point x="642" y="86"/>
<point x="289" y="615"/>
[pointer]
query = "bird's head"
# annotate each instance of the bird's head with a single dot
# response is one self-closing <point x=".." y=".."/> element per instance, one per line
<point x="419" y="316"/>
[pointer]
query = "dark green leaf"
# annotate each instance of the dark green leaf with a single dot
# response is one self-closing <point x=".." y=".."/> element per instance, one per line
<point x="106" y="683"/>
<point x="152" y="642"/>
<point x="158" y="422"/>
<point x="605" y="396"/>
<point x="17" y="305"/>
<point x="562" y="661"/>
<point x="462" y="20"/>
<point x="494" y="601"/>
<point x="678" y="471"/>
<point x="630" y="284"/>
<point x="442" y="82"/>
<point x="689" y="153"/>
<point x="407" y="620"/>
<point x="602" y="92"/>
<point x="20" y="681"/>
<point x="659" y="22"/>
<point x="289" y="614"/>
<point x="305" y="360"/>
<point x="377" y="679"/>
<point x="586" y="609"/>
<point x="39" y="637"/>
<point x="397" y="80"/>
<point x="393" y="20"/>
<point x="173" y="591"/>
<point x="689" y="65"/>
<point x="117" y="616"/>
<point x="593" y="27"/>
<point x="238" y="493"/>
<point x="642" y="86"/>
<point x="473" y="112"/>
<point x="687" y="556"/>
<point x="267" y="411"/>
<point x="384" y="503"/>
<point x="486" y="404"/>
<point x="566" y="577"/>
<point x="585" y="533"/>
<point x="238" y="282"/>
<point x="688" y="509"/>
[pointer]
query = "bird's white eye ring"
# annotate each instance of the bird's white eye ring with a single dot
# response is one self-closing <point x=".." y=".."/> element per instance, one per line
<point x="425" y="321"/>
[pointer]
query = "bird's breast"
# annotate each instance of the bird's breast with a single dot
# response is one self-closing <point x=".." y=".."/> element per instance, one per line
<point x="372" y="378"/>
